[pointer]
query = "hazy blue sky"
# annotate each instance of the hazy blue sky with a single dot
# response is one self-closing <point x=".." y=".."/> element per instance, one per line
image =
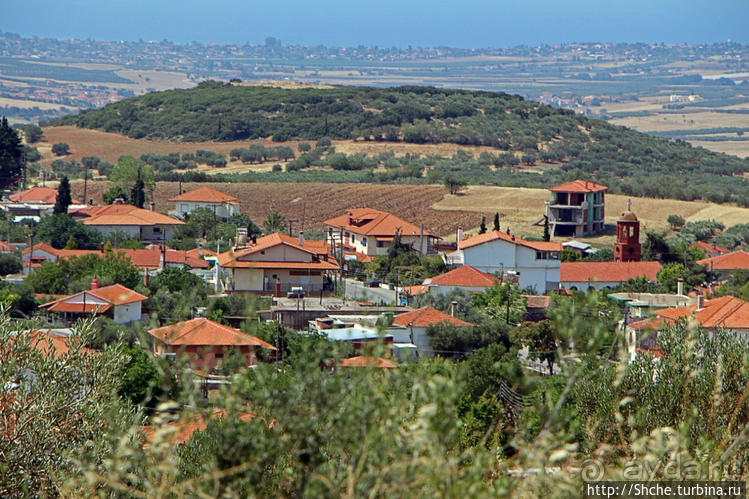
<point x="464" y="23"/>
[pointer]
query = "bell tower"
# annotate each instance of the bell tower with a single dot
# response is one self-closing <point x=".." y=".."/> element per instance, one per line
<point x="627" y="247"/>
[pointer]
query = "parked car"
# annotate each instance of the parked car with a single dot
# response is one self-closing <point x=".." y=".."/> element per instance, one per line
<point x="296" y="292"/>
<point x="374" y="283"/>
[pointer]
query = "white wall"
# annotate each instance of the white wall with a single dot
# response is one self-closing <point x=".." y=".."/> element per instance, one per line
<point x="127" y="313"/>
<point x="223" y="210"/>
<point x="502" y="256"/>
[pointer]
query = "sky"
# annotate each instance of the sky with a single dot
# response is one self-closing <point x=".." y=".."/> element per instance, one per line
<point x="386" y="23"/>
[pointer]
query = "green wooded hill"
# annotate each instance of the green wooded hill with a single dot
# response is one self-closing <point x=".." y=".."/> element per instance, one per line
<point x="626" y="160"/>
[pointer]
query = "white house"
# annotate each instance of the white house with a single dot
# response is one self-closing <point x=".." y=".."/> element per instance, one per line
<point x="411" y="327"/>
<point x="536" y="263"/>
<point x="121" y="303"/>
<point x="144" y="225"/>
<point x="370" y="232"/>
<point x="223" y="205"/>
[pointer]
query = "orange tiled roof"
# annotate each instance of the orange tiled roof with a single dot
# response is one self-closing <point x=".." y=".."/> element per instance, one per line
<point x="46" y="341"/>
<point x="194" y="253"/>
<point x="232" y="258"/>
<point x="203" y="332"/>
<point x="607" y="271"/>
<point x="465" y="275"/>
<point x="364" y="361"/>
<point x="126" y="214"/>
<point x="579" y="186"/>
<point x="7" y="247"/>
<point x="184" y="428"/>
<point x="426" y="316"/>
<point x="368" y="221"/>
<point x="415" y="290"/>
<point x="710" y="248"/>
<point x="44" y="247"/>
<point x="727" y="311"/>
<point x="116" y="294"/>
<point x="494" y="235"/>
<point x="206" y="195"/>
<point x="43" y="195"/>
<point x="143" y="258"/>
<point x="729" y="261"/>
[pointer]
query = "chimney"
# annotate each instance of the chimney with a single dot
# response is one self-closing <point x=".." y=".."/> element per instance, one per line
<point x="680" y="287"/>
<point x="101" y="247"/>
<point x="200" y="250"/>
<point x="94" y="283"/>
<point x="700" y="301"/>
<point x="153" y="206"/>
<point x="241" y="236"/>
<point x="301" y="238"/>
<point x="459" y="236"/>
<point x="453" y="304"/>
<point x="350" y="218"/>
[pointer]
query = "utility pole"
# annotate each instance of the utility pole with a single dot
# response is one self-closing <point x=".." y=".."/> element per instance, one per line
<point x="23" y="166"/>
<point x="85" y="182"/>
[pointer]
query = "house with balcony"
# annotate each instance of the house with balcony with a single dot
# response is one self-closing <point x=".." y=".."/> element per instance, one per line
<point x="221" y="204"/>
<point x="576" y="209"/>
<point x="369" y="232"/>
<point x="275" y="263"/>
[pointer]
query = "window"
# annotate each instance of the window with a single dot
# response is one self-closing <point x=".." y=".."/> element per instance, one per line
<point x="364" y="241"/>
<point x="380" y="244"/>
<point x="539" y="255"/>
<point x="554" y="255"/>
<point x="185" y="208"/>
<point x="219" y="355"/>
<point x="157" y="230"/>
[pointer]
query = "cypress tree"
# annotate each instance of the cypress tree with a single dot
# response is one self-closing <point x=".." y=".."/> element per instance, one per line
<point x="482" y="227"/>
<point x="496" y="222"/>
<point x="63" y="196"/>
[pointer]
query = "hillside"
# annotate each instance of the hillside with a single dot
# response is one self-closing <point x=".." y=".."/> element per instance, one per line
<point x="523" y="134"/>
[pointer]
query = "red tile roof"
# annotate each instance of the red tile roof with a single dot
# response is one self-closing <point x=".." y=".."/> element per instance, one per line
<point x="125" y="214"/>
<point x="43" y="195"/>
<point x="316" y="249"/>
<point x="415" y="290"/>
<point x="46" y="341"/>
<point x="607" y="271"/>
<point x="727" y="311"/>
<point x="426" y="316"/>
<point x="465" y="276"/>
<point x="116" y="294"/>
<point x="195" y="253"/>
<point x="44" y="247"/>
<point x="730" y="261"/>
<point x="494" y="235"/>
<point x="364" y="361"/>
<point x="579" y="186"/>
<point x="7" y="247"/>
<point x="202" y="332"/>
<point x="206" y="195"/>
<point x="711" y="249"/>
<point x="368" y="221"/>
<point x="185" y="427"/>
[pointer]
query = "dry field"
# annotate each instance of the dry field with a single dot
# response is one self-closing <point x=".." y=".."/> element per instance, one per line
<point x="738" y="148"/>
<point x="110" y="146"/>
<point x="684" y="121"/>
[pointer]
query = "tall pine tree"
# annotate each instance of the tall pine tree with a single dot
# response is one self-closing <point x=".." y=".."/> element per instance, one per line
<point x="138" y="192"/>
<point x="11" y="154"/>
<point x="63" y="196"/>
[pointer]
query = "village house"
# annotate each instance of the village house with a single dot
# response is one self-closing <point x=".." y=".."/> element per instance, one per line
<point x="207" y="343"/>
<point x="275" y="263"/>
<point x="535" y="264"/>
<point x="726" y="263"/>
<point x="726" y="313"/>
<point x="222" y="205"/>
<point x="576" y="209"/>
<point x="585" y="276"/>
<point x="33" y="203"/>
<point x="369" y="232"/>
<point x="122" y="304"/>
<point x="464" y="278"/>
<point x="137" y="223"/>
<point x="411" y="327"/>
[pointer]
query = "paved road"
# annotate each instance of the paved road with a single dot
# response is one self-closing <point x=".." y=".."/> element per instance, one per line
<point x="355" y="289"/>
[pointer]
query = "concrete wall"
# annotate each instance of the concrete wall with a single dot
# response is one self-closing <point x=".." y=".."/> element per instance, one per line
<point x="127" y="313"/>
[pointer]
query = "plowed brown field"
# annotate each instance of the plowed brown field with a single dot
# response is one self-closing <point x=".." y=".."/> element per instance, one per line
<point x="316" y="202"/>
